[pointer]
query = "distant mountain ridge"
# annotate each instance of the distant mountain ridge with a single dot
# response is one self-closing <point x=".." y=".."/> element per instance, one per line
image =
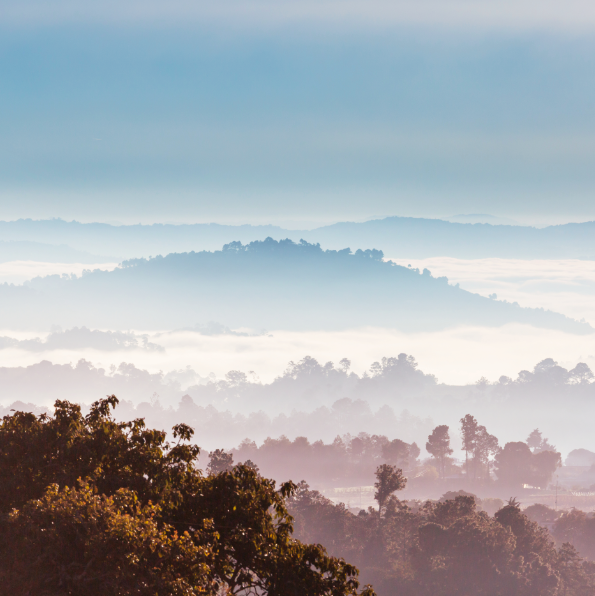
<point x="396" y="236"/>
<point x="422" y="238"/>
<point x="265" y="284"/>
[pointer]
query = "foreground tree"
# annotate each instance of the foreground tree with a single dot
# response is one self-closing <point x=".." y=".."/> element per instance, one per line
<point x="74" y="541"/>
<point x="91" y="506"/>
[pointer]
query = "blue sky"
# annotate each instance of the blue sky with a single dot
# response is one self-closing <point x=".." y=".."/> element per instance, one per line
<point x="296" y="113"/>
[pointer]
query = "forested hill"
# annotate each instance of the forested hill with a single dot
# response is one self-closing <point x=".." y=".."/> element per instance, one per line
<point x="396" y="236"/>
<point x="265" y="284"/>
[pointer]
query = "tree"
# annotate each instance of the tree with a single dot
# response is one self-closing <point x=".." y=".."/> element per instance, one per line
<point x="397" y="453"/>
<point x="469" y="436"/>
<point x="460" y="551"/>
<point x="143" y="516"/>
<point x="517" y="465"/>
<point x="486" y="446"/>
<point x="438" y="446"/>
<point x="250" y="464"/>
<point x="513" y="464"/>
<point x="544" y="465"/>
<point x="581" y="374"/>
<point x="389" y="479"/>
<point x="579" y="528"/>
<point x="219" y="462"/>
<point x="414" y="452"/>
<point x="74" y="541"/>
<point x="537" y="442"/>
<point x="534" y="440"/>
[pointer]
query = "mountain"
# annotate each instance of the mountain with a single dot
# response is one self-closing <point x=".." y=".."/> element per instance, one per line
<point x="422" y="238"/>
<point x="396" y="236"/>
<point x="265" y="284"/>
<point x="135" y="240"/>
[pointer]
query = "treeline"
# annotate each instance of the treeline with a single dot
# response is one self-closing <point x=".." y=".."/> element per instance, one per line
<point x="443" y="548"/>
<point x="304" y="384"/>
<point x="349" y="461"/>
<point x="394" y="379"/>
<point x="310" y="399"/>
<point x="216" y="427"/>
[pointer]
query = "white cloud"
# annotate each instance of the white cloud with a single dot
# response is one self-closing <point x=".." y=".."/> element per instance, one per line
<point x="456" y="356"/>
<point x="16" y="272"/>
<point x="562" y="285"/>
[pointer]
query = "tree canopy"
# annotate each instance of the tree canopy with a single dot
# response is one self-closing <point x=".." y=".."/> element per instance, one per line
<point x="92" y="506"/>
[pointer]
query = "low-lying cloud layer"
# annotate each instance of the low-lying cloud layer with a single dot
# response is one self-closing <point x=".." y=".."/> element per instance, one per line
<point x="562" y="285"/>
<point x="456" y="356"/>
<point x="17" y="272"/>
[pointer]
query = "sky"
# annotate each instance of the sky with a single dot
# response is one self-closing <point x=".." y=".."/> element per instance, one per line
<point x="296" y="113"/>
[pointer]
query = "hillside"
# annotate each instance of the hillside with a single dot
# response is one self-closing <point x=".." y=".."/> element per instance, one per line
<point x="268" y="284"/>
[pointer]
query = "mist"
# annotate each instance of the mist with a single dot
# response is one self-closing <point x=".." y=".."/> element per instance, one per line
<point x="297" y="298"/>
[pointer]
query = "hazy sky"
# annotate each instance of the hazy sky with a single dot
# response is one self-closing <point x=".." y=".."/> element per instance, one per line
<point x="296" y="112"/>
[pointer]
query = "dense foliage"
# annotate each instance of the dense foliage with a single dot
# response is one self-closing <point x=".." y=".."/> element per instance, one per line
<point x="445" y="548"/>
<point x="92" y="506"/>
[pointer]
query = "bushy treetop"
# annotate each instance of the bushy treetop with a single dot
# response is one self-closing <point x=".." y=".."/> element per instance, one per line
<point x="92" y="506"/>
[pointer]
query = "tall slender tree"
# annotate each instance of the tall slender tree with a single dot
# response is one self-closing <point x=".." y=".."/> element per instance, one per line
<point x="469" y="436"/>
<point x="438" y="445"/>
<point x="486" y="446"/>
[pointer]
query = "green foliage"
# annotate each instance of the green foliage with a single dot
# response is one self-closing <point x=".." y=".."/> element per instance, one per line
<point x="74" y="541"/>
<point x="143" y="519"/>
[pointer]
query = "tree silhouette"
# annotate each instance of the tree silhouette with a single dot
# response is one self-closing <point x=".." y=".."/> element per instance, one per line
<point x="469" y="437"/>
<point x="537" y="442"/>
<point x="513" y="464"/>
<point x="389" y="479"/>
<point x="534" y="440"/>
<point x="438" y="445"/>
<point x="250" y="464"/>
<point x="397" y="453"/>
<point x="219" y="462"/>
<point x="486" y="446"/>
